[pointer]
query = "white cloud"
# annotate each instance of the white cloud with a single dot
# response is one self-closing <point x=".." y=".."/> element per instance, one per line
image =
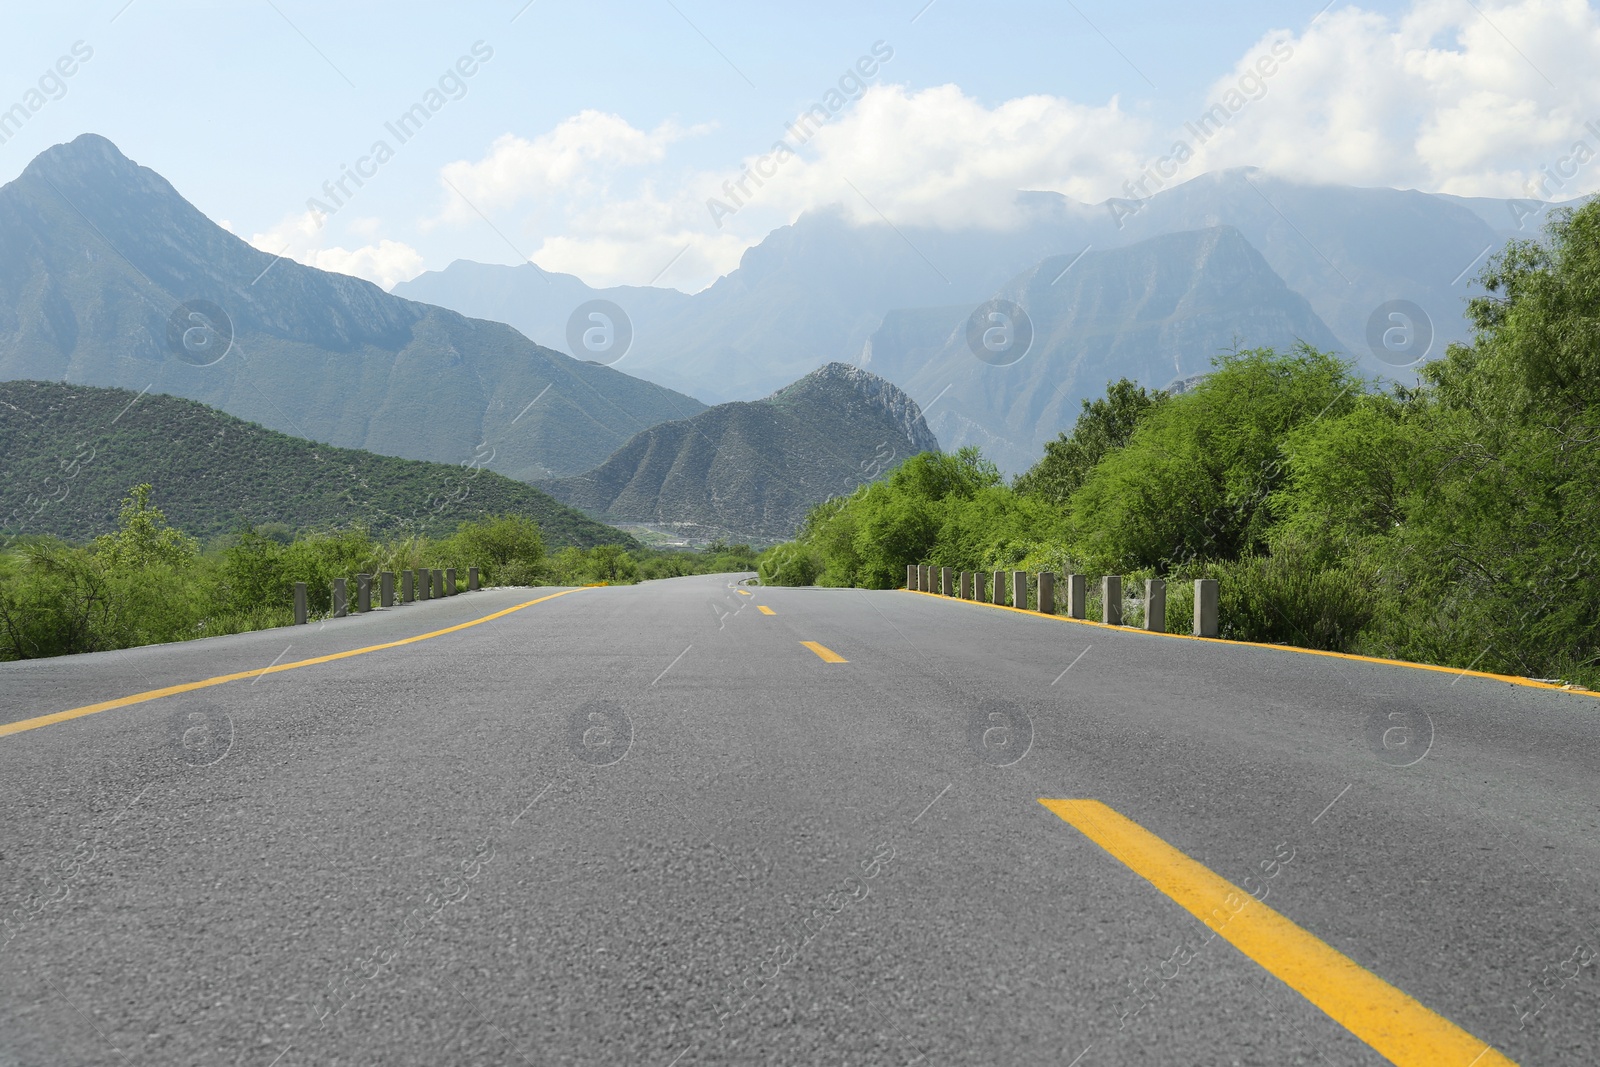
<point x="935" y="157"/>
<point x="299" y="237"/>
<point x="940" y="158"/>
<point x="1448" y="97"/>
<point x="576" y="159"/>
<point x="386" y="263"/>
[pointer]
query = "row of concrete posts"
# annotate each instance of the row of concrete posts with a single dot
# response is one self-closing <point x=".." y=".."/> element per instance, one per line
<point x="414" y="585"/>
<point x="971" y="585"/>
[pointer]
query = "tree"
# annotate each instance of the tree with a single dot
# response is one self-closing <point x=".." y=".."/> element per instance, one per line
<point x="500" y="543"/>
<point x="143" y="538"/>
<point x="1104" y="425"/>
<point x="1195" y="478"/>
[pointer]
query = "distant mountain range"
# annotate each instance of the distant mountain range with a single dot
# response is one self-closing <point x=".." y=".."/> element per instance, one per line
<point x="823" y="288"/>
<point x="1142" y="312"/>
<point x="109" y="277"/>
<point x="69" y="454"/>
<point x="751" y="470"/>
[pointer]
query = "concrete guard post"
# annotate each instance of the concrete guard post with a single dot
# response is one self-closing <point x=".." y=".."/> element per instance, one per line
<point x="1047" y="593"/>
<point x="966" y="585"/>
<point x="472" y="579"/>
<point x="1205" y="607"/>
<point x="341" y="598"/>
<point x="1077" y="595"/>
<point x="386" y="589"/>
<point x="999" y="587"/>
<point x="1155" y="605"/>
<point x="1111" y="599"/>
<point x="424" y="585"/>
<point x="363" y="593"/>
<point x="449" y="581"/>
<point x="947" y="581"/>
<point x="438" y="584"/>
<point x="299" y="603"/>
<point x="978" y="592"/>
<point x="911" y="575"/>
<point x="1019" y="589"/>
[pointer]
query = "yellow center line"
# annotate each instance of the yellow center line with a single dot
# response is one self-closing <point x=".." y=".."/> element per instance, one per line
<point x="765" y="610"/>
<point x="1394" y="1024"/>
<point x="187" y="687"/>
<point x="744" y="592"/>
<point x="827" y="655"/>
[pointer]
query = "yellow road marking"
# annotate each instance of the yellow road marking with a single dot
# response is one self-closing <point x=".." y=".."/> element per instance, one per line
<point x="765" y="610"/>
<point x="827" y="655"/>
<point x="186" y="687"/>
<point x="1509" y="679"/>
<point x="1398" y="1027"/>
<point x="743" y="592"/>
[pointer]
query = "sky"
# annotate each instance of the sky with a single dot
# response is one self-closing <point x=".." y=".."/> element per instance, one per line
<point x="653" y="142"/>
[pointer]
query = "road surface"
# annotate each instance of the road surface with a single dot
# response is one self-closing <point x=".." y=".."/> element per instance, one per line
<point x="694" y="822"/>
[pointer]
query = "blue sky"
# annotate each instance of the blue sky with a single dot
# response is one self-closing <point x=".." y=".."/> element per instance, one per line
<point x="594" y="136"/>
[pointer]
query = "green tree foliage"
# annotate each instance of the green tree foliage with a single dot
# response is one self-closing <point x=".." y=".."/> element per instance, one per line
<point x="1482" y="522"/>
<point x="143" y="537"/>
<point x="1104" y="425"/>
<point x="946" y="509"/>
<point x="1195" y="479"/>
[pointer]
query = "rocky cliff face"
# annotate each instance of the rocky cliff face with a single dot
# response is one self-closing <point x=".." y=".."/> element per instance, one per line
<point x="857" y="387"/>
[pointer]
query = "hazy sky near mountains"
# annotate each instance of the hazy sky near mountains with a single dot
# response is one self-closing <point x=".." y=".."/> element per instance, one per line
<point x="591" y="137"/>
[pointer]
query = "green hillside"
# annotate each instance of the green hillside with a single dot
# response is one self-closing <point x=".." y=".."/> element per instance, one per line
<point x="69" y="453"/>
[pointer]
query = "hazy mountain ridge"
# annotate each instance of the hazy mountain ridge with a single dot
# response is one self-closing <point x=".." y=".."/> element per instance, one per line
<point x="1153" y="311"/>
<point x="753" y="469"/>
<point x="822" y="286"/>
<point x="71" y="452"/>
<point x="101" y="252"/>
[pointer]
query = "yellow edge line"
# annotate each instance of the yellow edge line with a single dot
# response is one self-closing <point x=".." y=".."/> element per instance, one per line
<point x="1398" y="1027"/>
<point x="827" y="655"/>
<point x="765" y="610"/>
<point x="172" y="690"/>
<point x="1509" y="679"/>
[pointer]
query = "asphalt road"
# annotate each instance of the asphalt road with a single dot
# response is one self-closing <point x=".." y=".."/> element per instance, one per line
<point x="648" y="825"/>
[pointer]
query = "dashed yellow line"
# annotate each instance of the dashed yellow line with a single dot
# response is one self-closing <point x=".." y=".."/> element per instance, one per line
<point x="765" y="610"/>
<point x="188" y="687"/>
<point x="1394" y="1024"/>
<point x="827" y="655"/>
<point x="743" y="592"/>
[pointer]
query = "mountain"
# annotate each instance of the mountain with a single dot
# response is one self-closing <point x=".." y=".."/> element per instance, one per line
<point x="753" y="469"/>
<point x="820" y="287"/>
<point x="1154" y="312"/>
<point x="109" y="277"/>
<point x="71" y="452"/>
<point x="816" y="288"/>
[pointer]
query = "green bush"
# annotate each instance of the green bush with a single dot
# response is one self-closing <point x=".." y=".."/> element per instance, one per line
<point x="788" y="564"/>
<point x="1286" y="598"/>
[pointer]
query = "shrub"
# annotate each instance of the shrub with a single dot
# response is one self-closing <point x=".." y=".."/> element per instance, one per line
<point x="788" y="564"/>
